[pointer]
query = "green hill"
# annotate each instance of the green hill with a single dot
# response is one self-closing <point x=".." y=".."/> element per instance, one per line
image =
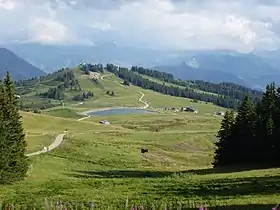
<point x="79" y="90"/>
<point x="103" y="163"/>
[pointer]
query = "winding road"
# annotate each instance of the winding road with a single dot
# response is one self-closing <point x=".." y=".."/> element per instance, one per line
<point x="144" y="102"/>
<point x="57" y="141"/>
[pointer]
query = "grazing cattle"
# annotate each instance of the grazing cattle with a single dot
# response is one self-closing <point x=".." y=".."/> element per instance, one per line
<point x="144" y="150"/>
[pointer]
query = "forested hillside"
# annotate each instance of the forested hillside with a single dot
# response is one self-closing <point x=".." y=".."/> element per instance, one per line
<point x="64" y="86"/>
<point x="225" y="88"/>
<point x="226" y="94"/>
<point x="50" y="90"/>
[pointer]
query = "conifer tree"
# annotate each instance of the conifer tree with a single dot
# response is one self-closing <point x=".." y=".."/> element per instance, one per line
<point x="277" y="126"/>
<point x="244" y="132"/>
<point x="4" y="146"/>
<point x="267" y="112"/>
<point x="16" y="163"/>
<point x="224" y="154"/>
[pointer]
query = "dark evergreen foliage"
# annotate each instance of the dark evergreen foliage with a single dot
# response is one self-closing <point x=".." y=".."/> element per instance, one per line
<point x="134" y="77"/>
<point x="226" y="89"/>
<point x="13" y="162"/>
<point x="252" y="138"/>
<point x="83" y="96"/>
<point x="125" y="82"/>
<point x="87" y="68"/>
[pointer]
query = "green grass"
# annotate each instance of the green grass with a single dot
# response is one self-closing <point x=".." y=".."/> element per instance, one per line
<point x="128" y="97"/>
<point x="103" y="163"/>
<point x="63" y="112"/>
<point x="37" y="141"/>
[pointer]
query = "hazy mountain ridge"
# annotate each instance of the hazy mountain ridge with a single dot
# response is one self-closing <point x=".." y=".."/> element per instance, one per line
<point x="250" y="69"/>
<point x="18" y="67"/>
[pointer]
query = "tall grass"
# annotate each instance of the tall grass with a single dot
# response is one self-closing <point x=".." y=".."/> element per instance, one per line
<point x="127" y="205"/>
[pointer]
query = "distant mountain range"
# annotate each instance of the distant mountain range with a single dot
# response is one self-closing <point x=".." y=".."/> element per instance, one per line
<point x="250" y="69"/>
<point x="18" y="68"/>
<point x="50" y="58"/>
<point x="253" y="70"/>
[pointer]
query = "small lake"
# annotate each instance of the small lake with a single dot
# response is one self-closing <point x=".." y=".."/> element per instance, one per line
<point x="119" y="111"/>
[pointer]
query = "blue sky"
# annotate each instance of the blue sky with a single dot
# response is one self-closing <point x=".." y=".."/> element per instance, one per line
<point x="241" y="25"/>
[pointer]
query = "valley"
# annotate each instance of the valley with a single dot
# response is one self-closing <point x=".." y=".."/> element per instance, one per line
<point x="103" y="164"/>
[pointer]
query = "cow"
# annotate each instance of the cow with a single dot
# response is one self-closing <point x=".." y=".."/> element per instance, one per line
<point x="144" y="150"/>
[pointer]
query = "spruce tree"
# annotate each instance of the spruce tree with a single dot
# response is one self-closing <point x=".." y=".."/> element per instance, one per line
<point x="225" y="154"/>
<point x="267" y="112"/>
<point x="4" y="144"/>
<point x="276" y="133"/>
<point x="244" y="132"/>
<point x="16" y="163"/>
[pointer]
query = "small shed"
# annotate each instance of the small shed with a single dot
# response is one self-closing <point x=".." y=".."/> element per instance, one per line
<point x="191" y="109"/>
<point x="105" y="122"/>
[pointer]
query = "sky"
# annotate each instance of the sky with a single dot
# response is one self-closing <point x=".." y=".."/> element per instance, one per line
<point x="242" y="25"/>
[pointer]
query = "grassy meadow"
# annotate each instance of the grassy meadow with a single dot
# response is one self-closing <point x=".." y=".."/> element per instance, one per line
<point x="103" y="164"/>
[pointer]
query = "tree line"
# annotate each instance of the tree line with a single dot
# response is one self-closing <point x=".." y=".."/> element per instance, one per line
<point x="13" y="162"/>
<point x="83" y="96"/>
<point x="87" y="68"/>
<point x="252" y="136"/>
<point x="226" y="89"/>
<point x="187" y="92"/>
<point x="69" y="81"/>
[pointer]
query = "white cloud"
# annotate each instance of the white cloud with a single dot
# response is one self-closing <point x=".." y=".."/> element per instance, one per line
<point x="162" y="24"/>
<point x="7" y="4"/>
<point x="47" y="31"/>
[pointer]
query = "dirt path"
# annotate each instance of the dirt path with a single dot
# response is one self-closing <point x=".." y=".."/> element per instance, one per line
<point x="83" y="118"/>
<point x="144" y="102"/>
<point x="58" y="140"/>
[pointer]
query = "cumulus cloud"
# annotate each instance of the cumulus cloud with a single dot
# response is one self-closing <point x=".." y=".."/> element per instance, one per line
<point x="160" y="24"/>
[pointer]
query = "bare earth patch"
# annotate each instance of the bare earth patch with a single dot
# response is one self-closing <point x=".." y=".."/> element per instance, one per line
<point x="92" y="75"/>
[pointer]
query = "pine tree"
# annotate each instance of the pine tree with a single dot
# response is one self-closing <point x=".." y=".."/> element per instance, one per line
<point x="16" y="164"/>
<point x="267" y="112"/>
<point x="244" y="132"/>
<point x="4" y="146"/>
<point x="225" y="154"/>
<point x="276" y="133"/>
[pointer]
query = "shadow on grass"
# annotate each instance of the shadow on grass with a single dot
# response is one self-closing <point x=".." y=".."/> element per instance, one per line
<point x="225" y="187"/>
<point x="120" y="174"/>
<point x="191" y="186"/>
<point x="222" y="170"/>
<point x="158" y="174"/>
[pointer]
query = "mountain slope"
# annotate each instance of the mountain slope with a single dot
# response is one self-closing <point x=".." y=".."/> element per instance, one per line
<point x="59" y="56"/>
<point x="224" y="66"/>
<point x="18" y="68"/>
<point x="186" y="72"/>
